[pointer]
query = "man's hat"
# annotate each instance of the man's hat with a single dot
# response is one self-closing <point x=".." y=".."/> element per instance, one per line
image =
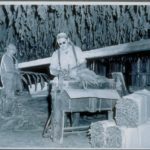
<point x="62" y="35"/>
<point x="11" y="47"/>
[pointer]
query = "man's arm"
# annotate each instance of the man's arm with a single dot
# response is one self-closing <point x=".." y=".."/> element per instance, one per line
<point x="82" y="65"/>
<point x="80" y="56"/>
<point x="54" y="71"/>
<point x="8" y="65"/>
<point x="54" y="66"/>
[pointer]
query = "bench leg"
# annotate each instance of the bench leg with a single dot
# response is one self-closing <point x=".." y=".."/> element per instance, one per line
<point x="47" y="126"/>
<point x="110" y="115"/>
<point x="75" y="119"/>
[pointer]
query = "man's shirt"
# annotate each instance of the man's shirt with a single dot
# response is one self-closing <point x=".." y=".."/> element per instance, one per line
<point x="7" y="64"/>
<point x="67" y="59"/>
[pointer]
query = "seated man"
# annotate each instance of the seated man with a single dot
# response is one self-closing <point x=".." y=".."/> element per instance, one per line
<point x="65" y="59"/>
<point x="10" y="75"/>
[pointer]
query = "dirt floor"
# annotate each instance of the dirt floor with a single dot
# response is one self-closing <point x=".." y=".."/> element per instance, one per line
<point x="25" y="130"/>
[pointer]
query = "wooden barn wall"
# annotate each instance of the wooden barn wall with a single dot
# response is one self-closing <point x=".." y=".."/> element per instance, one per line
<point x="135" y="68"/>
<point x="33" y="28"/>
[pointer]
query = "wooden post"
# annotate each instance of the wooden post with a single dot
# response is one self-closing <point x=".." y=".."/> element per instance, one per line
<point x="138" y="71"/>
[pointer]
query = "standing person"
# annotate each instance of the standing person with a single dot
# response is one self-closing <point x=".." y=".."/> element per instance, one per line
<point x="10" y="75"/>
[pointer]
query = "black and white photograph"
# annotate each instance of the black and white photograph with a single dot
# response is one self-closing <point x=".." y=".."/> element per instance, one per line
<point x="74" y="75"/>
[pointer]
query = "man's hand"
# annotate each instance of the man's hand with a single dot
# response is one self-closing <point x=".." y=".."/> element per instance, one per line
<point x="63" y="73"/>
<point x="73" y="73"/>
<point x="17" y="72"/>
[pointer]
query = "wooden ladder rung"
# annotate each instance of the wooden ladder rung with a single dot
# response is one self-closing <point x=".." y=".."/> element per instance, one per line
<point x="80" y="128"/>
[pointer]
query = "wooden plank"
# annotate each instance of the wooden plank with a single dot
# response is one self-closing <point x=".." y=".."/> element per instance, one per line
<point x="97" y="93"/>
<point x="79" y="128"/>
<point x="35" y="63"/>
<point x="75" y="132"/>
<point x="138" y="46"/>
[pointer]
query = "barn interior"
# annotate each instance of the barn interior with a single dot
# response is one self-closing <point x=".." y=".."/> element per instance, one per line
<point x="114" y="38"/>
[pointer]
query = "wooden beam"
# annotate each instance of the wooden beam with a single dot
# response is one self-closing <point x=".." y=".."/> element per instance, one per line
<point x="35" y="63"/>
<point x="138" y="46"/>
<point x="79" y="128"/>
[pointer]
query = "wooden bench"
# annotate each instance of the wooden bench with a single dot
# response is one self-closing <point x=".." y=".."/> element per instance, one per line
<point x="78" y="100"/>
